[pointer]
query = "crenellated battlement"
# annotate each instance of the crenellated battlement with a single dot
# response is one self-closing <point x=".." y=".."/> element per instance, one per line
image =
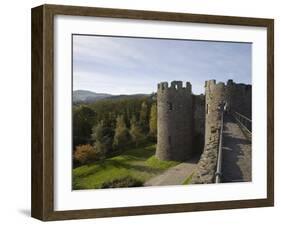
<point x="230" y="97"/>
<point x="182" y="118"/>
<point x="212" y="84"/>
<point x="229" y="86"/>
<point x="174" y="85"/>
<point x="240" y="86"/>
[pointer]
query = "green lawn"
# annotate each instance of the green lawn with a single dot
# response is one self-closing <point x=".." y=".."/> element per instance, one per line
<point x="138" y="163"/>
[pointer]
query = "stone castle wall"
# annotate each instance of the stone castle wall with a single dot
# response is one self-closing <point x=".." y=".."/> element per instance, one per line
<point x="186" y="121"/>
<point x="198" y="123"/>
<point x="174" y="121"/>
<point x="206" y="167"/>
<point x="238" y="96"/>
<point x="199" y="114"/>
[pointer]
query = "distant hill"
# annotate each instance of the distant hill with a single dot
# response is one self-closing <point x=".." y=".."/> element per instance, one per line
<point x="84" y="96"/>
<point x="88" y="96"/>
<point x="124" y="96"/>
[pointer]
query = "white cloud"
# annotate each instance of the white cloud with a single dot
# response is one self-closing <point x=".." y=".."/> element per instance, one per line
<point x="136" y="65"/>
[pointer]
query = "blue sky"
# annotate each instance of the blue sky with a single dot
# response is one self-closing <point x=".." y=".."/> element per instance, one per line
<point x="119" y="65"/>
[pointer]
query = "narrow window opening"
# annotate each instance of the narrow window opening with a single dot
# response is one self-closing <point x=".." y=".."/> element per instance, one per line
<point x="170" y="106"/>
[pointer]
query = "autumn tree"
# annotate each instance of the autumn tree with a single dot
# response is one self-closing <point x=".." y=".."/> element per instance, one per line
<point x="121" y="136"/>
<point x="135" y="132"/>
<point x="86" y="153"/>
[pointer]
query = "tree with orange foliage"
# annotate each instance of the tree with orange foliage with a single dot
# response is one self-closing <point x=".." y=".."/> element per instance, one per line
<point x="86" y="153"/>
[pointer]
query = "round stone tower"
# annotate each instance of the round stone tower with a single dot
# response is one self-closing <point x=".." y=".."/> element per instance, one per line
<point x="174" y="121"/>
<point x="215" y="97"/>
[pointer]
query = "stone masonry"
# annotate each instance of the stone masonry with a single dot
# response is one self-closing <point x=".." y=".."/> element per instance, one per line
<point x="174" y="121"/>
<point x="238" y="97"/>
<point x="215" y="95"/>
<point x="183" y="116"/>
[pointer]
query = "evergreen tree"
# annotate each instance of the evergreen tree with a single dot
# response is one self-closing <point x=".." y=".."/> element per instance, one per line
<point x="153" y="121"/>
<point x="144" y="117"/>
<point x="83" y="120"/>
<point x="102" y="138"/>
<point x="136" y="133"/>
<point x="121" y="136"/>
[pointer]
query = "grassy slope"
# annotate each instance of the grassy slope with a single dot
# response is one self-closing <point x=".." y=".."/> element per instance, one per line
<point x="138" y="163"/>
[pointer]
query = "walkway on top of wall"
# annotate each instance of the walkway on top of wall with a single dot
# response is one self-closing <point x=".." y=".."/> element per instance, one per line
<point x="175" y="175"/>
<point x="236" y="153"/>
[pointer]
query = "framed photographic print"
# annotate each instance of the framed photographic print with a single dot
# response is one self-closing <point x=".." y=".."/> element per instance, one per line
<point x="141" y="112"/>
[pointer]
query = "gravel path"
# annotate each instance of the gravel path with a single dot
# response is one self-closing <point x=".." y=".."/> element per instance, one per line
<point x="175" y="175"/>
<point x="237" y="152"/>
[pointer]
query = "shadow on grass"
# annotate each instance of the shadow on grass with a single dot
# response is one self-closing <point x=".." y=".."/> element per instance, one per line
<point x="118" y="164"/>
<point x="126" y="160"/>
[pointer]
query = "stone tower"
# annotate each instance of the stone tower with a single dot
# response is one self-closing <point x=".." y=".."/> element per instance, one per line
<point x="239" y="96"/>
<point x="174" y="121"/>
<point x="214" y="96"/>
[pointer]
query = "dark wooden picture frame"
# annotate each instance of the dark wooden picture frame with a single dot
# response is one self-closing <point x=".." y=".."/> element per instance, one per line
<point x="43" y="107"/>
